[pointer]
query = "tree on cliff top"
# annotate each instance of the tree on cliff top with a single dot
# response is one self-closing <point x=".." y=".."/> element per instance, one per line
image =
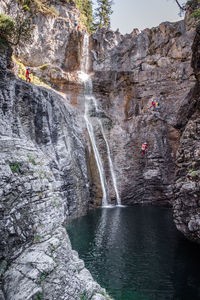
<point x="85" y="7"/>
<point x="194" y="6"/>
<point x="103" y="13"/>
<point x="180" y="5"/>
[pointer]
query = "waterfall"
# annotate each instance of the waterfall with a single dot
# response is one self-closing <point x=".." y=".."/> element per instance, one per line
<point x="112" y="172"/>
<point x="114" y="180"/>
<point x="90" y="99"/>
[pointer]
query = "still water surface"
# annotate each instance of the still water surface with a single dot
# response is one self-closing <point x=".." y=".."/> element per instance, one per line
<point x="136" y="253"/>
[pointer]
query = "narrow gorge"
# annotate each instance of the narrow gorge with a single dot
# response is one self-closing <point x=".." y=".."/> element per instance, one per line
<point x="71" y="140"/>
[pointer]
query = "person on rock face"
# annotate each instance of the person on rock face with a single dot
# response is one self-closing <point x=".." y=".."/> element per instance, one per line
<point x="75" y="24"/>
<point x="153" y="104"/>
<point x="144" y="148"/>
<point x="157" y="104"/>
<point x="28" y="72"/>
<point x="140" y="66"/>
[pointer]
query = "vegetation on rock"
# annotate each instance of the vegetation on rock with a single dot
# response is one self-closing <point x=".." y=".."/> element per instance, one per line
<point x="35" y="6"/>
<point x="22" y="71"/>
<point x="15" y="168"/>
<point x="45" y="7"/>
<point x="85" y="8"/>
<point x="195" y="5"/>
<point x="15" y="30"/>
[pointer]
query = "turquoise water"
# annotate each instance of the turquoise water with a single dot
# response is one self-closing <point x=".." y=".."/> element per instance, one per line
<point x="136" y="253"/>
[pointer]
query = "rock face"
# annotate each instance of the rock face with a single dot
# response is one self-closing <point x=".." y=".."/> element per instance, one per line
<point x="125" y="93"/>
<point x="187" y="184"/>
<point x="43" y="180"/>
<point x="55" y="50"/>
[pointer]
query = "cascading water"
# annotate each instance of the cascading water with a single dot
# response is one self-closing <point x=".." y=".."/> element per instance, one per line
<point x="111" y="166"/>
<point x="90" y="101"/>
<point x="109" y="157"/>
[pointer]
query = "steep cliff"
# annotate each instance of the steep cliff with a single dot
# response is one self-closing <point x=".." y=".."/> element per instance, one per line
<point x="187" y="183"/>
<point x="125" y="92"/>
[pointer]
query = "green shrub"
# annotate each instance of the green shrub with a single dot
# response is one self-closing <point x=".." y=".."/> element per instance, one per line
<point x="26" y="8"/>
<point x="15" y="167"/>
<point x="44" y="67"/>
<point x="42" y="278"/>
<point x="37" y="237"/>
<point x="193" y="173"/>
<point x="15" y="30"/>
<point x="7" y="26"/>
<point x="38" y="296"/>
<point x="83" y="296"/>
<point x="31" y="159"/>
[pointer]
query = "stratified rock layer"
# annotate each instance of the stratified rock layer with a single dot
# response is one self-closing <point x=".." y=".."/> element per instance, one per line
<point x="44" y="179"/>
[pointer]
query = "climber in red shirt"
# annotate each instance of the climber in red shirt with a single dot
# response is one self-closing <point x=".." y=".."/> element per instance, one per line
<point x="28" y="72"/>
<point x="144" y="148"/>
<point x="153" y="104"/>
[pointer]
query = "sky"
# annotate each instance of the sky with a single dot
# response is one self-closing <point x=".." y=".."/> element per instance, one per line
<point x="141" y="14"/>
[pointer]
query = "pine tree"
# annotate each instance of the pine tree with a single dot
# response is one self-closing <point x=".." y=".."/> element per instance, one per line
<point x="87" y="10"/>
<point x="103" y="13"/>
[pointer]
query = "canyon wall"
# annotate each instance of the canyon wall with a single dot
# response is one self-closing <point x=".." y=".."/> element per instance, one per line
<point x="187" y="180"/>
<point x="48" y="168"/>
<point x="43" y="181"/>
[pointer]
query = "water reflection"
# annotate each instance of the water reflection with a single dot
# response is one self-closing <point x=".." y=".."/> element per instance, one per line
<point x="137" y="254"/>
<point x="107" y="227"/>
